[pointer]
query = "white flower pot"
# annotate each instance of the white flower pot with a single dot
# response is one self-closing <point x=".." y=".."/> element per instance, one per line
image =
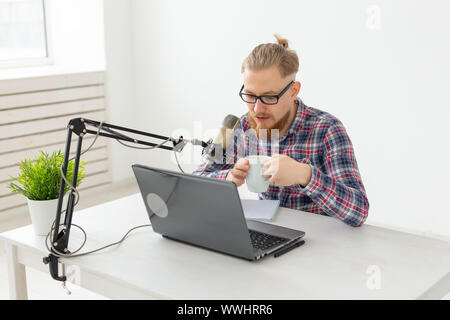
<point x="43" y="213"/>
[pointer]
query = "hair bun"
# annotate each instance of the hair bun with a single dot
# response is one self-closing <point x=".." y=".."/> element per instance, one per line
<point x="282" y="41"/>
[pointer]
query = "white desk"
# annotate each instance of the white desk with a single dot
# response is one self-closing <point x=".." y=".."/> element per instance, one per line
<point x="333" y="264"/>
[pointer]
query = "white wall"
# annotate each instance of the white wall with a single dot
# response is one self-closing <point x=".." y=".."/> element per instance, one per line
<point x="119" y="82"/>
<point x="386" y="76"/>
<point x="85" y="33"/>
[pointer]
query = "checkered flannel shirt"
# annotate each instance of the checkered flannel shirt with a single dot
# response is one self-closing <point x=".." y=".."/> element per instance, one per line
<point x="320" y="140"/>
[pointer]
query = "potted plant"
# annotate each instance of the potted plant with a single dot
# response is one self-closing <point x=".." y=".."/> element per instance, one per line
<point x="40" y="180"/>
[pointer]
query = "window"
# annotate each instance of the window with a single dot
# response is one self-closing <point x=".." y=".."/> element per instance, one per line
<point x="23" y="36"/>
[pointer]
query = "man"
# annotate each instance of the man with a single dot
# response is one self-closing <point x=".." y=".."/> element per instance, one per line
<point x="314" y="168"/>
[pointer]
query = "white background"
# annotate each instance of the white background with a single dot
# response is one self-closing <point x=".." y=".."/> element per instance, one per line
<point x="382" y="67"/>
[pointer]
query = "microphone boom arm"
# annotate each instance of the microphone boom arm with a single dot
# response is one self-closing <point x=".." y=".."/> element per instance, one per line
<point x="77" y="126"/>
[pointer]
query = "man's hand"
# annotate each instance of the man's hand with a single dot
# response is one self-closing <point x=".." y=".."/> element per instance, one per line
<point x="239" y="172"/>
<point x="282" y="171"/>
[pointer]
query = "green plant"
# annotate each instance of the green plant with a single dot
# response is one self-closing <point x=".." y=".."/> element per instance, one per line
<point x="40" y="178"/>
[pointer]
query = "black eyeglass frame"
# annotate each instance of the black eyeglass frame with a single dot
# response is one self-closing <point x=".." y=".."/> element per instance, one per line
<point x="278" y="96"/>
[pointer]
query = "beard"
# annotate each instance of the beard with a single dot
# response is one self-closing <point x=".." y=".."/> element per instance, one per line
<point x="259" y="127"/>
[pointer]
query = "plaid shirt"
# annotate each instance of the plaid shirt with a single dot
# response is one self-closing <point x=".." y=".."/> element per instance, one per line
<point x="320" y="140"/>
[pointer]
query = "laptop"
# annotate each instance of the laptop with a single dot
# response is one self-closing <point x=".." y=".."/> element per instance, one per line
<point x="207" y="212"/>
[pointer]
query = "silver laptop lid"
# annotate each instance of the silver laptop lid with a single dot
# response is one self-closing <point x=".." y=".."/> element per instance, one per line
<point x="202" y="211"/>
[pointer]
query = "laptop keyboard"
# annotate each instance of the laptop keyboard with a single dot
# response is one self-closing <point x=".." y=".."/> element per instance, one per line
<point x="264" y="241"/>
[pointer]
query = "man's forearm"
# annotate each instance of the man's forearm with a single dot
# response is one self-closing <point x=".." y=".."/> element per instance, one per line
<point x="335" y="198"/>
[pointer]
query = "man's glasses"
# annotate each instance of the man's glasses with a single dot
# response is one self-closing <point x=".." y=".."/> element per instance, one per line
<point x="251" y="98"/>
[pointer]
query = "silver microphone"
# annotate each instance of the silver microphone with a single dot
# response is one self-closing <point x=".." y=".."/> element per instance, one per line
<point x="215" y="150"/>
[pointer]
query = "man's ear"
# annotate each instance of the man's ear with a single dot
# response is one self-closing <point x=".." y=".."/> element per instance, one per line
<point x="296" y="89"/>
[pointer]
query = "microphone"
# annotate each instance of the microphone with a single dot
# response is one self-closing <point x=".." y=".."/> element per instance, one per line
<point x="215" y="150"/>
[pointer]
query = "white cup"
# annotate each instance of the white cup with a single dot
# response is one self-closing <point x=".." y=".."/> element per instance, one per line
<point x="256" y="182"/>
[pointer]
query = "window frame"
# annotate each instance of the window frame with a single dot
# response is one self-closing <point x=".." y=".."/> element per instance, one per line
<point x="34" y="62"/>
